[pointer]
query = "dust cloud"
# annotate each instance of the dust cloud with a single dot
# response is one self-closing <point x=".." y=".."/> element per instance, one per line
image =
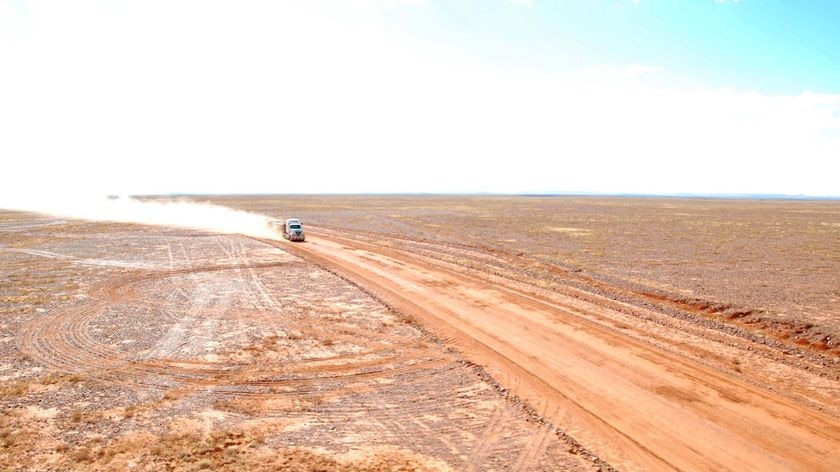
<point x="158" y="212"/>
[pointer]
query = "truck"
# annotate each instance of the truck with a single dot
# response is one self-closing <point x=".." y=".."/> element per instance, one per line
<point x="293" y="230"/>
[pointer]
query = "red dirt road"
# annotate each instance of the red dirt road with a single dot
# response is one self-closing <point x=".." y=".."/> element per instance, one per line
<point x="637" y="405"/>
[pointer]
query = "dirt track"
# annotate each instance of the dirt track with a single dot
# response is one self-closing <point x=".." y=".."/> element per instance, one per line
<point x="641" y="390"/>
<point x="129" y="347"/>
<point x="169" y="349"/>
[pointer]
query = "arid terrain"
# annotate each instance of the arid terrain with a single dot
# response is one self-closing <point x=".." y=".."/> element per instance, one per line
<point x="428" y="333"/>
<point x="768" y="263"/>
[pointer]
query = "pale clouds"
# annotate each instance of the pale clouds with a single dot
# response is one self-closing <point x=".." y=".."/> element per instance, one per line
<point x="146" y="97"/>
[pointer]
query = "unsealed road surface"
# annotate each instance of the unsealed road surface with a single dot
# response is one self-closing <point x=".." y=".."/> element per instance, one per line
<point x="635" y="404"/>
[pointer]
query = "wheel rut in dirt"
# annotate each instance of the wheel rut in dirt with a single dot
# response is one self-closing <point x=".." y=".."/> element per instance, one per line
<point x="637" y="405"/>
<point x="278" y="343"/>
<point x="67" y="341"/>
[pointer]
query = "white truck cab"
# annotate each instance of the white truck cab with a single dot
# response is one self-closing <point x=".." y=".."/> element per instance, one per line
<point x="293" y="230"/>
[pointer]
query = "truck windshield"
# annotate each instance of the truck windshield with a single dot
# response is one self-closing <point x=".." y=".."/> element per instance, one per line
<point x="294" y="226"/>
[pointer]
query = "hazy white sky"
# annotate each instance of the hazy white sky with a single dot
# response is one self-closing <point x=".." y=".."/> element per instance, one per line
<point x="340" y="96"/>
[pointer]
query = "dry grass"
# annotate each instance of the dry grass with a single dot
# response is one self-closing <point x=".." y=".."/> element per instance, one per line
<point x="242" y="406"/>
<point x="14" y="389"/>
<point x="30" y="283"/>
<point x="129" y="411"/>
<point x="10" y="437"/>
<point x="16" y="437"/>
<point x="59" y="378"/>
<point x="82" y="454"/>
<point x="259" y="406"/>
<point x="20" y="388"/>
<point x="85" y="416"/>
<point x="228" y="451"/>
<point x="173" y="394"/>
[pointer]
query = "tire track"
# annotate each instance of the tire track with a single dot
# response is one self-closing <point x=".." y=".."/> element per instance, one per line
<point x="488" y="439"/>
<point x="295" y="347"/>
<point x="535" y="448"/>
<point x="65" y="342"/>
<point x="600" y="377"/>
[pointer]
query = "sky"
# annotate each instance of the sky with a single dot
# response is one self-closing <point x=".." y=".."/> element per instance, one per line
<point x="458" y="96"/>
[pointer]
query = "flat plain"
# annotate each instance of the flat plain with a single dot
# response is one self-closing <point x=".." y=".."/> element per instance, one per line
<point x="370" y="347"/>
<point x="773" y="264"/>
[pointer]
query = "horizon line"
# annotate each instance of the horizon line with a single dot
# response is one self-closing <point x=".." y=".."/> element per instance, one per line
<point x="687" y="195"/>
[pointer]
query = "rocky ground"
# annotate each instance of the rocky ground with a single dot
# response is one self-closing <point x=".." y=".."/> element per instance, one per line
<point x="135" y="348"/>
<point x="763" y="265"/>
<point x="142" y="348"/>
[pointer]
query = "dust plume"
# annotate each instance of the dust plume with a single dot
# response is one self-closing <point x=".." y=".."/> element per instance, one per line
<point x="173" y="213"/>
